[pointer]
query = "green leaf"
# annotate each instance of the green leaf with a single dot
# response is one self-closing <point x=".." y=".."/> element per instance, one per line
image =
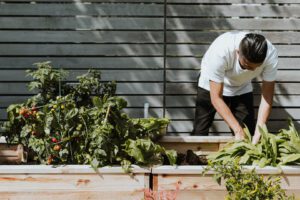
<point x="172" y="156"/>
<point x="290" y="159"/>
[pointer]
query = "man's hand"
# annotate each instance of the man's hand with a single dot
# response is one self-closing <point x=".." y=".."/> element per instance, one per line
<point x="239" y="134"/>
<point x="256" y="137"/>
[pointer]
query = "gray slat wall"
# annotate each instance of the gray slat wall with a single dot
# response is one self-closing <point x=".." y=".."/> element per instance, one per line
<point x="152" y="48"/>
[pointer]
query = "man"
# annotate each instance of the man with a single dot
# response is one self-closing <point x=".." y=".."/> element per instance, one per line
<point x="227" y="68"/>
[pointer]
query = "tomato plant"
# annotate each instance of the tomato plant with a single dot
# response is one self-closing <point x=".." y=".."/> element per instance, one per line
<point x="82" y="123"/>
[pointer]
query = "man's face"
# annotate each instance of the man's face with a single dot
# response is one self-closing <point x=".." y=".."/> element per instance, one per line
<point x="245" y="64"/>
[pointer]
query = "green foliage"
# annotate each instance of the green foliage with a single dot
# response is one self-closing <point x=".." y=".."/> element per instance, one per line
<point x="83" y="125"/>
<point x="273" y="149"/>
<point x="247" y="185"/>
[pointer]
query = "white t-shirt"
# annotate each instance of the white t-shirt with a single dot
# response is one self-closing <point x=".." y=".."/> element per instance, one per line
<point x="220" y="64"/>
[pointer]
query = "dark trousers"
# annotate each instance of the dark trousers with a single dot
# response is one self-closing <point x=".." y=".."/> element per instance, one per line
<point x="241" y="106"/>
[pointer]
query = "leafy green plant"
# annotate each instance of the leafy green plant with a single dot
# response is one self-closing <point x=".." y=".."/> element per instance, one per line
<point x="273" y="149"/>
<point x="83" y="125"/>
<point x="242" y="184"/>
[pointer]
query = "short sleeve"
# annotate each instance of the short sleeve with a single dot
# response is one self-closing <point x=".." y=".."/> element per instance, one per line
<point x="270" y="70"/>
<point x="214" y="61"/>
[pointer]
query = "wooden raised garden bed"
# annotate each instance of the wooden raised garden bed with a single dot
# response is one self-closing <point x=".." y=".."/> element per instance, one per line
<point x="192" y="185"/>
<point x="71" y="182"/>
<point x="201" y="145"/>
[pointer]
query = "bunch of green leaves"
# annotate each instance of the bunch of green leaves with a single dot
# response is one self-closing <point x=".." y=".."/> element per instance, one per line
<point x="242" y="184"/>
<point x="84" y="125"/>
<point x="46" y="80"/>
<point x="273" y="149"/>
<point x="152" y="127"/>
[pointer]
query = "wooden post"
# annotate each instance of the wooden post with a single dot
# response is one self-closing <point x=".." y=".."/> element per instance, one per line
<point x="12" y="154"/>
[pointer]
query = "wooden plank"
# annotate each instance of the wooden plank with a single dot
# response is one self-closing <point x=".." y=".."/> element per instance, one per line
<point x="232" y="24"/>
<point x="122" y="88"/>
<point x="234" y="1"/>
<point x="189" y="100"/>
<point x="106" y="75"/>
<point x="91" y="1"/>
<point x="194" y="186"/>
<point x="80" y="182"/>
<point x="133" y="101"/>
<point x="12" y="154"/>
<point x="72" y="195"/>
<point x="196" y="139"/>
<point x="81" y="36"/>
<point x="81" y="50"/>
<point x="108" y="9"/>
<point x="85" y="62"/>
<point x="86" y="23"/>
<point x="139" y="112"/>
<point x="181" y="88"/>
<point x="192" y="76"/>
<point x="132" y="112"/>
<point x="68" y="170"/>
<point x="206" y="37"/>
<point x="197" y="148"/>
<point x="189" y="113"/>
<point x="199" y="50"/>
<point x="276" y="114"/>
<point x="195" y="63"/>
<point x="194" y="170"/>
<point x="221" y="126"/>
<point x="232" y="11"/>
<point x="201" y="145"/>
<point x="139" y="101"/>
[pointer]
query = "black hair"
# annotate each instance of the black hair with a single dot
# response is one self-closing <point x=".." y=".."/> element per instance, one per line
<point x="254" y="47"/>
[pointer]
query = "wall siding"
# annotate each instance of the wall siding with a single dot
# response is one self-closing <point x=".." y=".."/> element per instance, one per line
<point x="152" y="48"/>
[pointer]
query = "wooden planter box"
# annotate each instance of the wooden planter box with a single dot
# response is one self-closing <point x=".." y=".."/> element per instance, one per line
<point x="71" y="182"/>
<point x="192" y="185"/>
<point x="201" y="145"/>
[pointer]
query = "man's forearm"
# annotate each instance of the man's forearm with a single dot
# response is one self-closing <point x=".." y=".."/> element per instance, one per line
<point x="227" y="115"/>
<point x="263" y="112"/>
<point x="265" y="107"/>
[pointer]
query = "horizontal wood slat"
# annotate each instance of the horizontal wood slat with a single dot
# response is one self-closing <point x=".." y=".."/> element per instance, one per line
<point x="276" y="114"/>
<point x="81" y="50"/>
<point x="189" y="100"/>
<point x="132" y="112"/>
<point x="85" y="62"/>
<point x="232" y="24"/>
<point x="199" y="50"/>
<point x="86" y="23"/>
<point x="106" y="75"/>
<point x="233" y="1"/>
<point x="195" y="63"/>
<point x="122" y="88"/>
<point x="233" y="11"/>
<point x="91" y="1"/>
<point x="81" y="36"/>
<point x="221" y="126"/>
<point x="113" y="9"/>
<point x="132" y="101"/>
<point x="209" y="36"/>
<point x="192" y="76"/>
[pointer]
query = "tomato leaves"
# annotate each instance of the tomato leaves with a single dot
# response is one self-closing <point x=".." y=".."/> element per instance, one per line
<point x="84" y="123"/>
